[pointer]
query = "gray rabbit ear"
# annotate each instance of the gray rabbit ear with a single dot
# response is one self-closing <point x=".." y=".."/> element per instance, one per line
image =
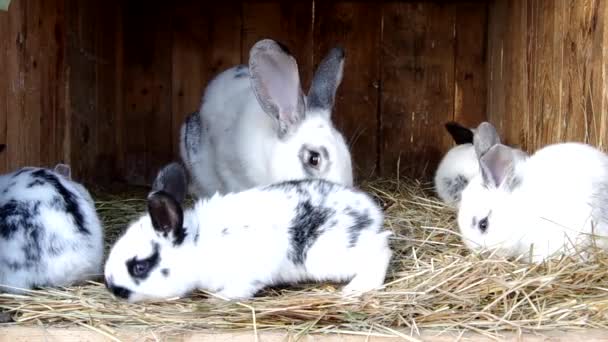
<point x="172" y="180"/>
<point x="276" y="83"/>
<point x="64" y="170"/>
<point x="484" y="138"/>
<point x="497" y="165"/>
<point x="325" y="82"/>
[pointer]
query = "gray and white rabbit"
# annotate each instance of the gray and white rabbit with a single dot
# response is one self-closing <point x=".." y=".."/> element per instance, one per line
<point x="50" y="234"/>
<point x="256" y="127"/>
<point x="460" y="164"/>
<point x="551" y="203"/>
<point x="239" y="243"/>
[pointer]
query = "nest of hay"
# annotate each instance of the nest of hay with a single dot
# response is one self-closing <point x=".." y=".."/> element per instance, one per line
<point x="433" y="283"/>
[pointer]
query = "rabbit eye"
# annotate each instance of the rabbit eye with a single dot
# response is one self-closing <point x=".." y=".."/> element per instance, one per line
<point x="483" y="224"/>
<point x="141" y="268"/>
<point x="314" y="159"/>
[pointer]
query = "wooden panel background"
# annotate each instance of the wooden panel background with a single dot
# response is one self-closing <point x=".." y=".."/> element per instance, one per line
<point x="398" y="88"/>
<point x="105" y="86"/>
<point x="547" y="71"/>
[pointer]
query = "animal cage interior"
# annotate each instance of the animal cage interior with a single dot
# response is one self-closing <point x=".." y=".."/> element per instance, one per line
<point x="106" y="86"/>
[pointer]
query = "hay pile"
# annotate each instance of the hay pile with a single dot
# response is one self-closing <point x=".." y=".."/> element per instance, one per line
<point x="433" y="283"/>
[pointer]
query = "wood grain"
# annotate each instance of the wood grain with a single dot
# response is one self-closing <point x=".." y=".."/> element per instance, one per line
<point x="147" y="81"/>
<point x="470" y="63"/>
<point x="4" y="85"/>
<point x="546" y="68"/>
<point x="17" y="138"/>
<point x="356" y="27"/>
<point x="417" y="86"/>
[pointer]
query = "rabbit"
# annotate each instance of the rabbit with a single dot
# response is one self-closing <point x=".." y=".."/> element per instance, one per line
<point x="236" y="244"/>
<point x="50" y="234"/>
<point x="460" y="164"/>
<point x="256" y="127"/>
<point x="545" y="205"/>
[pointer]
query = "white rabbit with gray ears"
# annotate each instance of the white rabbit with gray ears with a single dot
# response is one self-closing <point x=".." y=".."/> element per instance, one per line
<point x="255" y="126"/>
<point x="460" y="164"/>
<point x="551" y="203"/>
<point x="237" y="244"/>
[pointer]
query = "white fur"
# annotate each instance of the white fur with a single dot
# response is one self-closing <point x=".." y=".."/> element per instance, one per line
<point x="239" y="147"/>
<point x="556" y="207"/>
<point x="244" y="241"/>
<point x="460" y="163"/>
<point x="77" y="256"/>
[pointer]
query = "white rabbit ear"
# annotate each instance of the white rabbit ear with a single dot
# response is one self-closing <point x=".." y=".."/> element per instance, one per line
<point x="326" y="80"/>
<point x="64" y="170"/>
<point x="460" y="134"/>
<point x="172" y="180"/>
<point x="276" y="83"/>
<point x="497" y="165"/>
<point x="485" y="137"/>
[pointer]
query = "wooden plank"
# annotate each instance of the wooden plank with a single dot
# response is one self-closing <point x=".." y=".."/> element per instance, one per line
<point x="147" y="81"/>
<point x="355" y="26"/>
<point x="290" y="22"/>
<point x="4" y="85"/>
<point x="417" y="86"/>
<point x="206" y="41"/>
<point x="52" y="72"/>
<point x="82" y="59"/>
<point x="103" y="168"/>
<point x="17" y="142"/>
<point x="598" y="76"/>
<point x="470" y="63"/>
<point x="34" y="59"/>
<point x="42" y="334"/>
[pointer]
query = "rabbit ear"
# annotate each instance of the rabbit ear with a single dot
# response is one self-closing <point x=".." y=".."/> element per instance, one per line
<point x="166" y="215"/>
<point x="485" y="137"/>
<point x="172" y="180"/>
<point x="64" y="170"/>
<point x="497" y="165"/>
<point x="276" y="83"/>
<point x="460" y="134"/>
<point x="326" y="80"/>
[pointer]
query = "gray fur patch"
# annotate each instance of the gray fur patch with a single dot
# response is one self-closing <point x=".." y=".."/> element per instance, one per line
<point x="326" y="80"/>
<point x="193" y="135"/>
<point x="455" y="186"/>
<point x="241" y="71"/>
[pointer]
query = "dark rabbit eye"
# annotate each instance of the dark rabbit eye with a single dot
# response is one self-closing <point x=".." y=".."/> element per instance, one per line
<point x="314" y="159"/>
<point x="140" y="268"/>
<point x="483" y="225"/>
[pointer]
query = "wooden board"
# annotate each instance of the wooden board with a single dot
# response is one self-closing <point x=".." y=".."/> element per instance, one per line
<point x="470" y="63"/>
<point x="355" y="26"/>
<point x="4" y="85"/>
<point x="17" y="122"/>
<point x="546" y="80"/>
<point x="147" y="81"/>
<point x="417" y="86"/>
<point x="43" y="334"/>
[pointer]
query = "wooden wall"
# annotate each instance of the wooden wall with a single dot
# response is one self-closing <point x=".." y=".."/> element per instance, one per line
<point x="58" y="85"/>
<point x="410" y="66"/>
<point x="105" y="86"/>
<point x="547" y="71"/>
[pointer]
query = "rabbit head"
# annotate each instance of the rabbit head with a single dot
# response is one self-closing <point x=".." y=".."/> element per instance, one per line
<point x="309" y="145"/>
